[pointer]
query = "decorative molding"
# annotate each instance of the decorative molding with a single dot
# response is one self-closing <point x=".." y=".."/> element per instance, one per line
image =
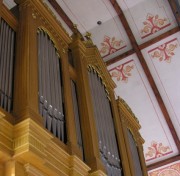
<point x="32" y="144"/>
<point x="110" y="45"/>
<point x="164" y="52"/>
<point x="41" y="12"/>
<point x="122" y="72"/>
<point x="97" y="173"/>
<point x="129" y="120"/>
<point x="157" y="150"/>
<point x="30" y="169"/>
<point x="153" y="24"/>
<point x="95" y="61"/>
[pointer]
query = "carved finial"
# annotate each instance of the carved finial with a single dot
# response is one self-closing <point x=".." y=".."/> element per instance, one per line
<point x="88" y="35"/>
<point x="76" y="33"/>
<point x="89" y="41"/>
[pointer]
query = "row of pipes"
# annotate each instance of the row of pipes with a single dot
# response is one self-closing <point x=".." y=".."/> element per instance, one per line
<point x="105" y="126"/>
<point x="7" y="42"/>
<point x="134" y="154"/>
<point x="76" y="115"/>
<point x="50" y="86"/>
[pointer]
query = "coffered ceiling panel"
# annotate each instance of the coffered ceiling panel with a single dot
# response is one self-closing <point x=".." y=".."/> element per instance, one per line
<point x="133" y="87"/>
<point x="148" y="19"/>
<point x="87" y="13"/>
<point x="111" y="38"/>
<point x="172" y="169"/>
<point x="163" y="61"/>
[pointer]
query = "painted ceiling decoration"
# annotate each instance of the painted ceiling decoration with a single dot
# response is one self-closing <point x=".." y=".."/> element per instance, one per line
<point x="139" y="40"/>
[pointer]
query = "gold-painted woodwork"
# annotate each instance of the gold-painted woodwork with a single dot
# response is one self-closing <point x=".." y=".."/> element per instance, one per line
<point x="8" y="17"/>
<point x="33" y="145"/>
<point x="30" y="146"/>
<point x="35" y="16"/>
<point x="69" y="110"/>
<point x="1" y="6"/>
<point x="89" y="133"/>
<point x="131" y="123"/>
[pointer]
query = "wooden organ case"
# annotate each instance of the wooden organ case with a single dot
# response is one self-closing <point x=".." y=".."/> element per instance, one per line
<point x="58" y="113"/>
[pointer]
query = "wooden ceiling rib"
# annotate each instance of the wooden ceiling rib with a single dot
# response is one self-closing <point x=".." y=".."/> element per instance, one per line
<point x="164" y="162"/>
<point x="120" y="57"/>
<point x="175" y="6"/>
<point x="146" y="70"/>
<point x="62" y="14"/>
<point x="158" y="38"/>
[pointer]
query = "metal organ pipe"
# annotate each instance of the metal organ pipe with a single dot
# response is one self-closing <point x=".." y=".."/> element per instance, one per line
<point x="50" y="86"/>
<point x="105" y="126"/>
<point x="135" y="155"/>
<point x="7" y="40"/>
<point x="76" y="115"/>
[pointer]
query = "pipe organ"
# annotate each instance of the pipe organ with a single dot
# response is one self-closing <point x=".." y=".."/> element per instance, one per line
<point x="105" y="126"/>
<point x="50" y="86"/>
<point x="7" y="41"/>
<point x="58" y="113"/>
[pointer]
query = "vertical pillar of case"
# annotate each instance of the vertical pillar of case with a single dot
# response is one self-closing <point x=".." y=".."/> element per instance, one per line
<point x="14" y="168"/>
<point x="88" y="126"/>
<point x="1" y="6"/>
<point x="70" y="120"/>
<point x="26" y="68"/>
<point x="142" y="159"/>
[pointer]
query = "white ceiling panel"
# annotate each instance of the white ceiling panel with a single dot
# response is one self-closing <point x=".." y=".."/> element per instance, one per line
<point x="86" y="13"/>
<point x="111" y="38"/>
<point x="148" y="19"/>
<point x="133" y="87"/>
<point x="163" y="59"/>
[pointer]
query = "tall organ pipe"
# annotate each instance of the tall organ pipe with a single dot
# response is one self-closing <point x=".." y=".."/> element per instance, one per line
<point x="50" y="86"/>
<point x="105" y="126"/>
<point x="135" y="155"/>
<point x="7" y="40"/>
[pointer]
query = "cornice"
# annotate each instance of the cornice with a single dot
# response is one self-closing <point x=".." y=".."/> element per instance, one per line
<point x="129" y="120"/>
<point x="41" y="11"/>
<point x="31" y="144"/>
<point x="95" y="61"/>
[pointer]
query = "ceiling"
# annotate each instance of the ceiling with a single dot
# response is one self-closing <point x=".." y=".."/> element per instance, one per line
<point x="140" y="42"/>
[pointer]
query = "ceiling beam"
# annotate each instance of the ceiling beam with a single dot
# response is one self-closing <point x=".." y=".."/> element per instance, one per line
<point x="120" y="57"/>
<point x="175" y="6"/>
<point x="62" y="14"/>
<point x="146" y="70"/>
<point x="144" y="45"/>
<point x="164" y="162"/>
<point x="158" y="38"/>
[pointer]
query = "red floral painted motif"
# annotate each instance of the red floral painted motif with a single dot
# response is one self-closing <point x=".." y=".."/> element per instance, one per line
<point x="172" y="170"/>
<point x="165" y="51"/>
<point x="157" y="150"/>
<point x="153" y="24"/>
<point x="110" y="45"/>
<point x="122" y="72"/>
